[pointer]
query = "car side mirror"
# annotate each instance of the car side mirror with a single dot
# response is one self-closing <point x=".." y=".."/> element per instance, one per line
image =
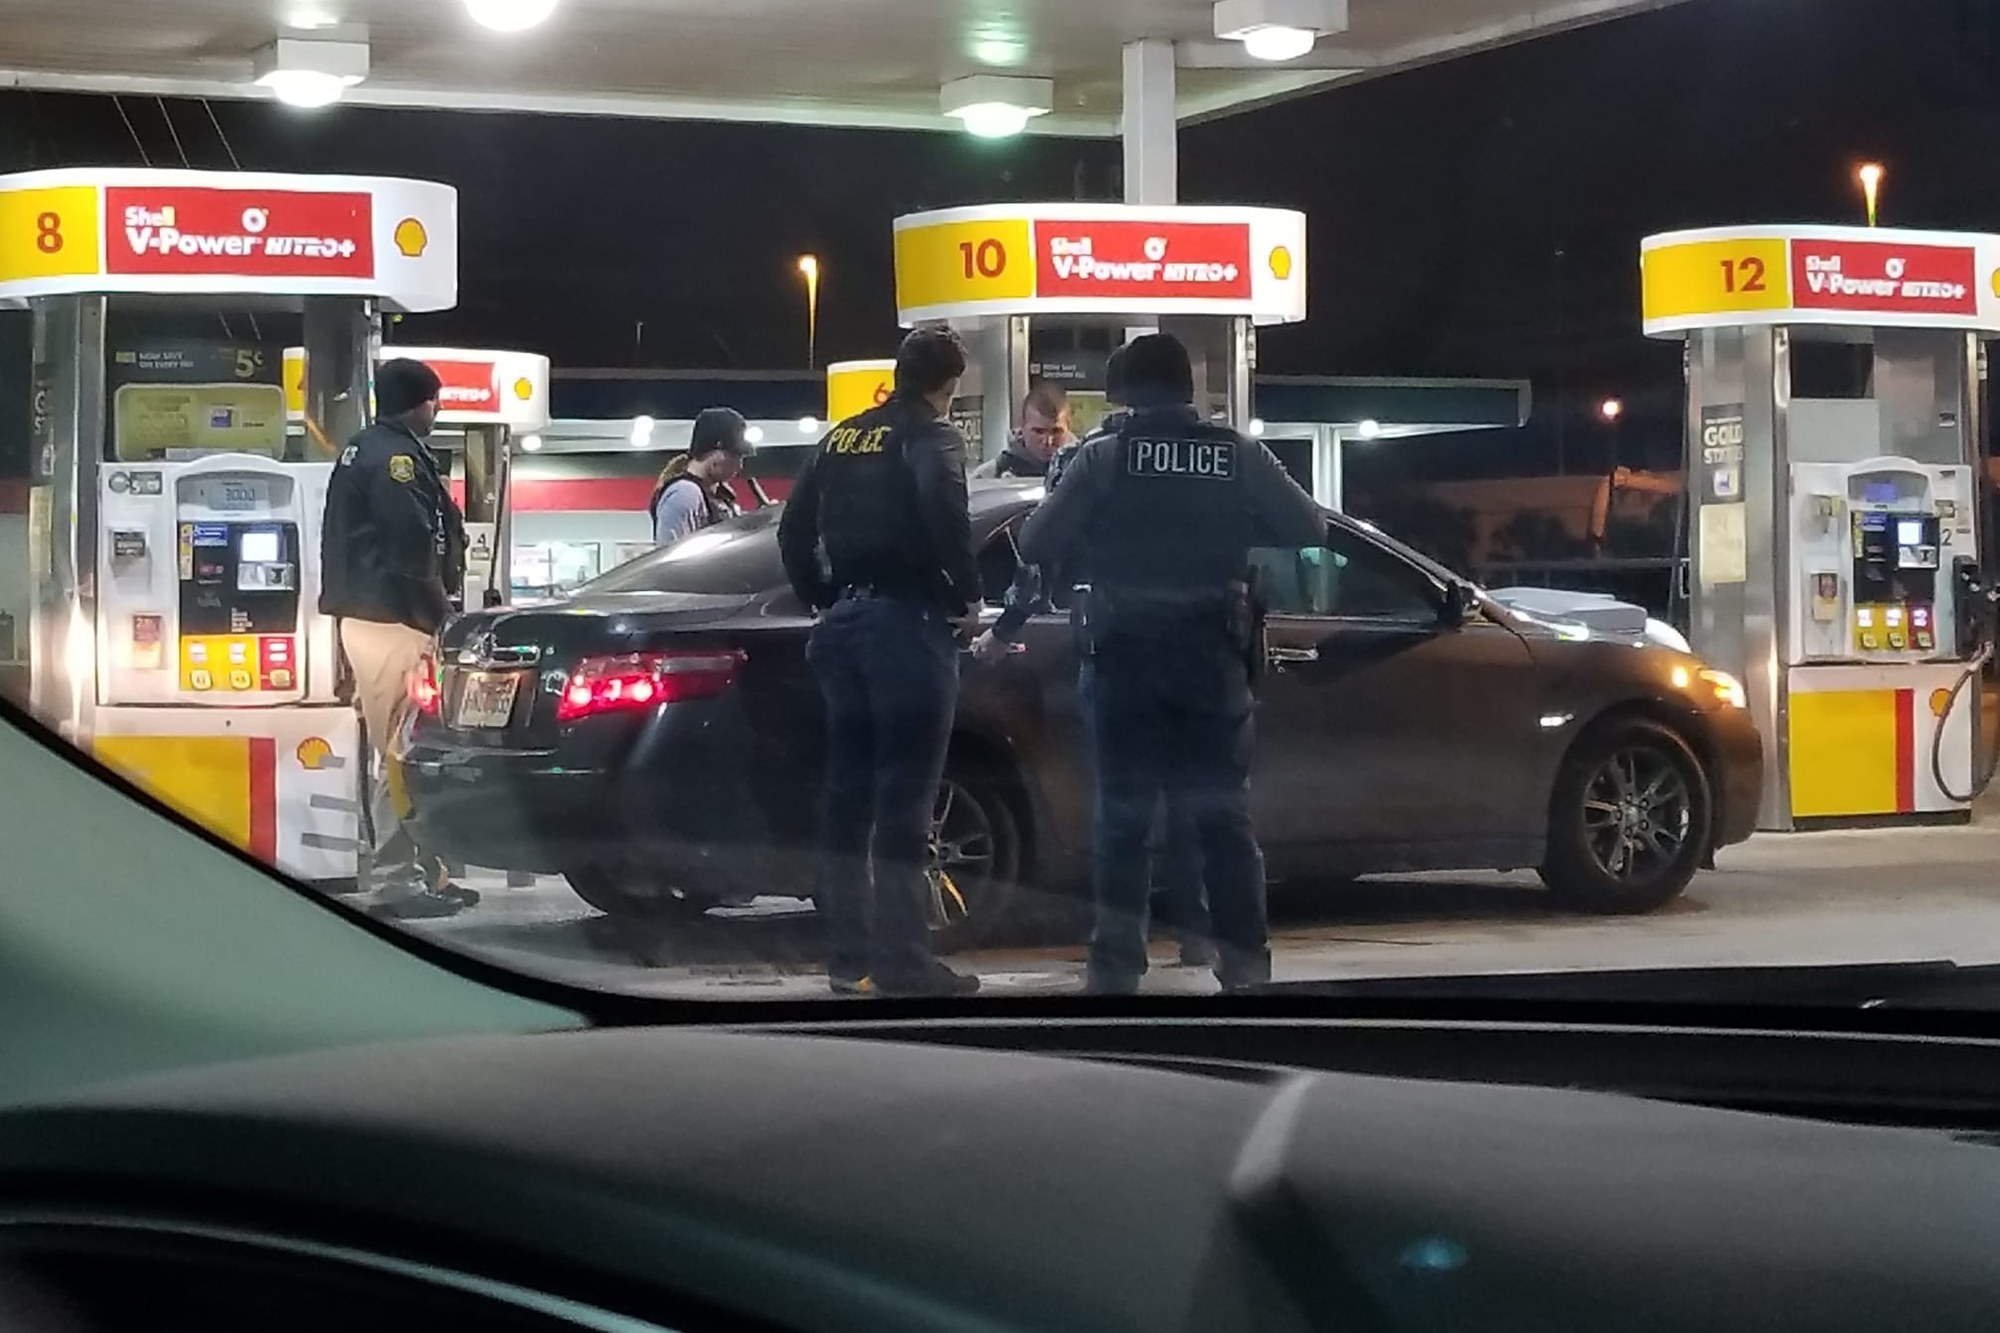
<point x="1459" y="606"/>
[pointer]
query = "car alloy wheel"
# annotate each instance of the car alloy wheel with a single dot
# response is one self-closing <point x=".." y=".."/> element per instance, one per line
<point x="1629" y="817"/>
<point x="964" y="852"/>
<point x="1637" y="813"/>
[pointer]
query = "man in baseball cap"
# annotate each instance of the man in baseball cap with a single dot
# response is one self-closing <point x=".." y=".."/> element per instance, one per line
<point x="694" y="492"/>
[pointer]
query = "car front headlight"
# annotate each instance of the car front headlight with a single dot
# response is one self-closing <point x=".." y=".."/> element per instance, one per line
<point x="1727" y="688"/>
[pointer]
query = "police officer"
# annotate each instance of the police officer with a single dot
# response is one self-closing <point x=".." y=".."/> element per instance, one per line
<point x="1165" y="513"/>
<point x="886" y="495"/>
<point x="386" y="546"/>
<point x="1176" y="860"/>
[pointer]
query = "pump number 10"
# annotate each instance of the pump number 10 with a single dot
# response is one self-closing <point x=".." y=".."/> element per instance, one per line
<point x="949" y="264"/>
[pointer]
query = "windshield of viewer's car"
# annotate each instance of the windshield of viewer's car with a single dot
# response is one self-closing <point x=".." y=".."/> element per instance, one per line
<point x="733" y="528"/>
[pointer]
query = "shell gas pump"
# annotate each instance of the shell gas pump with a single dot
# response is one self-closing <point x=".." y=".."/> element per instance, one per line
<point x="174" y="519"/>
<point x="1872" y="546"/>
<point x="1835" y="385"/>
<point x="216" y="675"/>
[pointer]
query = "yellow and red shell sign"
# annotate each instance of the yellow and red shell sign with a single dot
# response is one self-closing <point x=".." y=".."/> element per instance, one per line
<point x="1867" y="276"/>
<point x="124" y="229"/>
<point x="1112" y="259"/>
<point x="477" y="387"/>
<point x="852" y="387"/>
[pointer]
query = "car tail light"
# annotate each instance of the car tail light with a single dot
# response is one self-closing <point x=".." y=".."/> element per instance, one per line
<point x="644" y="680"/>
<point x="424" y="687"/>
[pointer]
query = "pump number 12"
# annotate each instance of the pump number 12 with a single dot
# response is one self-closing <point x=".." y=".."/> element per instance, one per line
<point x="1743" y="275"/>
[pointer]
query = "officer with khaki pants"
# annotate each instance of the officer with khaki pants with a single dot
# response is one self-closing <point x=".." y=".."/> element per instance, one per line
<point x="386" y="548"/>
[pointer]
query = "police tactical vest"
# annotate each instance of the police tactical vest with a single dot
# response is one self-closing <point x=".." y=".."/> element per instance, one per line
<point x="1177" y="516"/>
<point x="720" y="503"/>
<point x="871" y="522"/>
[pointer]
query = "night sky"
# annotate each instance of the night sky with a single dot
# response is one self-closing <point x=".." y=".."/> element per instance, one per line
<point x="1478" y="217"/>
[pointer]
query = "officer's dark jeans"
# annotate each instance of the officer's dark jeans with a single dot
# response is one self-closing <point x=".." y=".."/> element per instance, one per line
<point x="1174" y="849"/>
<point x="888" y="671"/>
<point x="1160" y="734"/>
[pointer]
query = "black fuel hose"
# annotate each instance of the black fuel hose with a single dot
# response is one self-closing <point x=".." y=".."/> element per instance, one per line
<point x="1980" y="781"/>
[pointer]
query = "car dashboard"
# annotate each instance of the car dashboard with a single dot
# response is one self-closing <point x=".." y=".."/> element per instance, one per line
<point x="670" y="1179"/>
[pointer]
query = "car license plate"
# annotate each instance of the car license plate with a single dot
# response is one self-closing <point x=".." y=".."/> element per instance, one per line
<point x="487" y="698"/>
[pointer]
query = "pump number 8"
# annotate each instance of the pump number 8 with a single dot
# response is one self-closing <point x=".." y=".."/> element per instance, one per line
<point x="48" y="233"/>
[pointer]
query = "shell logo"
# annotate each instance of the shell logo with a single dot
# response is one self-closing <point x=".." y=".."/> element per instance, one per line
<point x="1994" y="282"/>
<point x="1940" y="702"/>
<point x="411" y="238"/>
<point x="313" y="753"/>
<point x="1281" y="263"/>
<point x="524" y="388"/>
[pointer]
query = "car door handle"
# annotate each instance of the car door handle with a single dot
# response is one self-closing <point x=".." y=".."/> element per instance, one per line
<point x="1286" y="656"/>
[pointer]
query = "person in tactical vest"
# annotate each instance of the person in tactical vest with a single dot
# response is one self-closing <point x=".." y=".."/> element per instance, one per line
<point x="1164" y="513"/>
<point x="693" y="491"/>
<point x="1044" y="431"/>
<point x="885" y="494"/>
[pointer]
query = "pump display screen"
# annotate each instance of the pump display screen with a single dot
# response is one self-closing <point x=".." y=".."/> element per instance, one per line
<point x="1895" y="558"/>
<point x="239" y="578"/>
<point x="261" y="565"/>
<point x="262" y="547"/>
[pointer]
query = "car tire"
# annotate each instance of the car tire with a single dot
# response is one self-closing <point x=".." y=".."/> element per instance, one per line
<point x="977" y="846"/>
<point x="1630" y="819"/>
<point x="626" y="895"/>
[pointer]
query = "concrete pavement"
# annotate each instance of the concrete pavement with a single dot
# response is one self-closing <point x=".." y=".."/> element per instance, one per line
<point x="1876" y="895"/>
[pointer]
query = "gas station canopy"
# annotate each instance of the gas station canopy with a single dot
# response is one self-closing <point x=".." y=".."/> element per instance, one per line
<point x="875" y="63"/>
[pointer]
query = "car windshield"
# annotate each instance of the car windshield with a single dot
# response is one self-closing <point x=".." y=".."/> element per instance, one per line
<point x="850" y="499"/>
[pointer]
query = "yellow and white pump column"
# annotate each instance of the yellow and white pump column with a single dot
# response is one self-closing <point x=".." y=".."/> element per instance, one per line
<point x="173" y="532"/>
<point x="1834" y="390"/>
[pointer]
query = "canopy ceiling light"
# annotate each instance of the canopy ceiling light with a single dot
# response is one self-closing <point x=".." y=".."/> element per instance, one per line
<point x="510" y="15"/>
<point x="311" y="71"/>
<point x="994" y="106"/>
<point x="1278" y="29"/>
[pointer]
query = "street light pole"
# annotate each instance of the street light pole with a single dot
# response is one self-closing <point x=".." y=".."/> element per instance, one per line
<point x="809" y="266"/>
<point x="1871" y="174"/>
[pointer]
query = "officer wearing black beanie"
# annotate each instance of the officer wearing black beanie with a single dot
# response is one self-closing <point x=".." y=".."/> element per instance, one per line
<point x="384" y="548"/>
<point x="1163" y="512"/>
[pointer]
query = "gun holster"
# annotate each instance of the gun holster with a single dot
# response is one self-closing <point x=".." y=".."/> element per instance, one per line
<point x="1249" y="628"/>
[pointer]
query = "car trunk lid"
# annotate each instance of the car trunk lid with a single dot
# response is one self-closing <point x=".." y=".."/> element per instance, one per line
<point x="501" y="673"/>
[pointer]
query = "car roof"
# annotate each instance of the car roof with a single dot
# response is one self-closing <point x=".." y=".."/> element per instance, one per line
<point x="991" y="495"/>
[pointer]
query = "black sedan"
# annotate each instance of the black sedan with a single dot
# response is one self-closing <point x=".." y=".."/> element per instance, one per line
<point x="657" y="738"/>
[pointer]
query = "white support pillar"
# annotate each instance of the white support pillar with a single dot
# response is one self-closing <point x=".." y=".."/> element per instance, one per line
<point x="1330" y="467"/>
<point x="1150" y="125"/>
